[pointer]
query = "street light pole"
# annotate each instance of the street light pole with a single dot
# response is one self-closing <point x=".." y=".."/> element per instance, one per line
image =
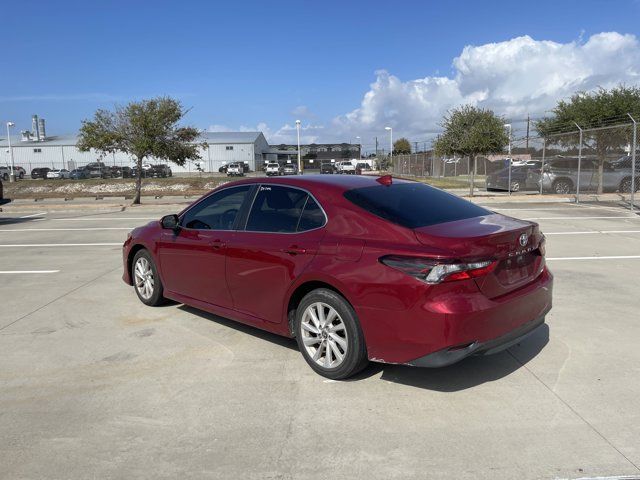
<point x="298" y="132"/>
<point x="359" y="148"/>
<point x="12" y="177"/>
<point x="390" y="145"/>
<point x="508" y="125"/>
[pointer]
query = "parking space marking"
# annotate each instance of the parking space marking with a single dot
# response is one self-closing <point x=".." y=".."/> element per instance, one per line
<point x="592" y="232"/>
<point x="88" y="229"/>
<point x="541" y="209"/>
<point x="99" y="219"/>
<point x="19" y="272"/>
<point x="23" y="245"/>
<point x="34" y="215"/>
<point x="629" y="217"/>
<point x="610" y="257"/>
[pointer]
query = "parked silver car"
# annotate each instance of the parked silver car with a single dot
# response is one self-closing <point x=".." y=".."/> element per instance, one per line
<point x="560" y="176"/>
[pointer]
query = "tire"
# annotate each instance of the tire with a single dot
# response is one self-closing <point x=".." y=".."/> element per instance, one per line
<point x="5" y="176"/>
<point x="149" y="294"/>
<point x="21" y="175"/>
<point x="515" y="186"/>
<point x="345" y="339"/>
<point x="625" y="185"/>
<point x="562" y="186"/>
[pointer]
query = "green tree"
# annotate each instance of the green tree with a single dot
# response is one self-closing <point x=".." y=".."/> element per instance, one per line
<point x="470" y="131"/>
<point x="401" y="146"/>
<point x="591" y="110"/>
<point x="148" y="128"/>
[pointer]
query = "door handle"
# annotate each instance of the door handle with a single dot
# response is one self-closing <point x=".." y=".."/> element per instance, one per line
<point x="294" y="250"/>
<point x="217" y="244"/>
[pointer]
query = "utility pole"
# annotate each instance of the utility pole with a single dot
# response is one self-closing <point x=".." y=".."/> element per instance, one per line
<point x="376" y="147"/>
<point x="415" y="147"/>
<point x="528" y="123"/>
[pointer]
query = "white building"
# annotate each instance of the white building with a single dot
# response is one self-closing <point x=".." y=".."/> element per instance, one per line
<point x="61" y="152"/>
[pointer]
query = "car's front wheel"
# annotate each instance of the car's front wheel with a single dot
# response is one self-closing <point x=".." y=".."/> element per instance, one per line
<point x="146" y="280"/>
<point x="562" y="186"/>
<point x="329" y="335"/>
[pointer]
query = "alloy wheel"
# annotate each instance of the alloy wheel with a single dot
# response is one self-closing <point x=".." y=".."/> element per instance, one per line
<point x="324" y="335"/>
<point x="144" y="280"/>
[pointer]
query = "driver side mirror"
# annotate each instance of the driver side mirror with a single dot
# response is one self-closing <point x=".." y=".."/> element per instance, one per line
<point x="170" y="222"/>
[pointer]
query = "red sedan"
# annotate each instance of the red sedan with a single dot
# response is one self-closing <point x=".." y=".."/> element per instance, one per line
<point x="356" y="268"/>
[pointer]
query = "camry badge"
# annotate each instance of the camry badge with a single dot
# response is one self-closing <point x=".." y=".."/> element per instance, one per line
<point x="524" y="238"/>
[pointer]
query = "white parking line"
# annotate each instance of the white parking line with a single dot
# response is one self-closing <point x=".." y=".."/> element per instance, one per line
<point x="11" y="272"/>
<point x="83" y="219"/>
<point x="89" y="229"/>
<point x="592" y="232"/>
<point x="34" y="215"/>
<point x="614" y="257"/>
<point x="582" y="218"/>
<point x="526" y="209"/>
<point x="23" y="245"/>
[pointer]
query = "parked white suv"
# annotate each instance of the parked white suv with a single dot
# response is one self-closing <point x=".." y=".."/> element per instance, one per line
<point x="346" y="167"/>
<point x="235" y="169"/>
<point x="272" y="169"/>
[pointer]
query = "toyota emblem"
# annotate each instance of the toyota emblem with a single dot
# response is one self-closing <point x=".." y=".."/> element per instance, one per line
<point x="524" y="238"/>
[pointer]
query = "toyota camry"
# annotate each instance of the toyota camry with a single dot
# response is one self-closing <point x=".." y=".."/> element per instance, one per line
<point x="355" y="268"/>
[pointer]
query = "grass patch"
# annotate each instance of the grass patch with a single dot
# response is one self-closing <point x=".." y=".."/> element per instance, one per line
<point x="112" y="187"/>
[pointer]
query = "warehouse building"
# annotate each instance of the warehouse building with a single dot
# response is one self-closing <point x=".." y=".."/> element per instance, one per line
<point x="35" y="150"/>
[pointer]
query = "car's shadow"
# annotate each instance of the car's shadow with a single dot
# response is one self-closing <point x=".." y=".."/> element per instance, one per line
<point x="17" y="220"/>
<point x="241" y="327"/>
<point x="468" y="373"/>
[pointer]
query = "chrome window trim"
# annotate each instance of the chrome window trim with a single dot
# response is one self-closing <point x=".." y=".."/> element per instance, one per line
<point x="326" y="218"/>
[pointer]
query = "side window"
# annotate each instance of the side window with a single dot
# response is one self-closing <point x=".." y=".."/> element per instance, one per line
<point x="218" y="212"/>
<point x="276" y="209"/>
<point x="312" y="216"/>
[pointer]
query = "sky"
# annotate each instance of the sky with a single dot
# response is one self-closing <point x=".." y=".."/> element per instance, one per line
<point x="346" y="69"/>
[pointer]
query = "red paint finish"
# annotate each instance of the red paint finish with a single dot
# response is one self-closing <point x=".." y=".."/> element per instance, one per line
<point x="252" y="276"/>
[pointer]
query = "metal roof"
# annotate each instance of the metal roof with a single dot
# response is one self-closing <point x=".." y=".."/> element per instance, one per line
<point x="209" y="137"/>
<point x="230" y="137"/>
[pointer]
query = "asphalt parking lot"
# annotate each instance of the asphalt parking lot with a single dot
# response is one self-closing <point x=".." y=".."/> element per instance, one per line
<point x="94" y="384"/>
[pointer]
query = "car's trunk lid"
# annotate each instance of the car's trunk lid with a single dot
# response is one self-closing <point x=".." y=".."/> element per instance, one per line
<point x="513" y="243"/>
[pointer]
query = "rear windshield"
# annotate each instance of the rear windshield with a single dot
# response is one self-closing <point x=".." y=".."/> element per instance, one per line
<point x="413" y="205"/>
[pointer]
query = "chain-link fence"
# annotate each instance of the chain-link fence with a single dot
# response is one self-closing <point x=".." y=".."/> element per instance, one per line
<point x="584" y="161"/>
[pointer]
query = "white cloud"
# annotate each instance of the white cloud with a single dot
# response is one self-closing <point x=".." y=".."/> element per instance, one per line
<point x="513" y="78"/>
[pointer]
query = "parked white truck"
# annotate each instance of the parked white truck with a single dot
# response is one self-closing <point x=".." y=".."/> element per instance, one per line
<point x="346" y="167"/>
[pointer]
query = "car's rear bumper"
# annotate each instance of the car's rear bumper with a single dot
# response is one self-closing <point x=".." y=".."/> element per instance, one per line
<point x="448" y="356"/>
<point x="456" y="317"/>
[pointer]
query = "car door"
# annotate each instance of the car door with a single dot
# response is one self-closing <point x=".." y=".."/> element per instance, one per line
<point x="282" y="235"/>
<point x="193" y="257"/>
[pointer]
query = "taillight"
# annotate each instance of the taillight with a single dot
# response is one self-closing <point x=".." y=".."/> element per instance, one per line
<point x="435" y="271"/>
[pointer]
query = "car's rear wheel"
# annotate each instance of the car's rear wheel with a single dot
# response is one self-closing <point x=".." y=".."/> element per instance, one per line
<point x="515" y="186"/>
<point x="562" y="186"/>
<point x="625" y="185"/>
<point x="146" y="280"/>
<point x="329" y="335"/>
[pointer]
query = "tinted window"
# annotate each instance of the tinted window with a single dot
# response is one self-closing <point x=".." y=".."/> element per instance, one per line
<point x="276" y="209"/>
<point x="312" y="216"/>
<point x="217" y="212"/>
<point x="413" y="205"/>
